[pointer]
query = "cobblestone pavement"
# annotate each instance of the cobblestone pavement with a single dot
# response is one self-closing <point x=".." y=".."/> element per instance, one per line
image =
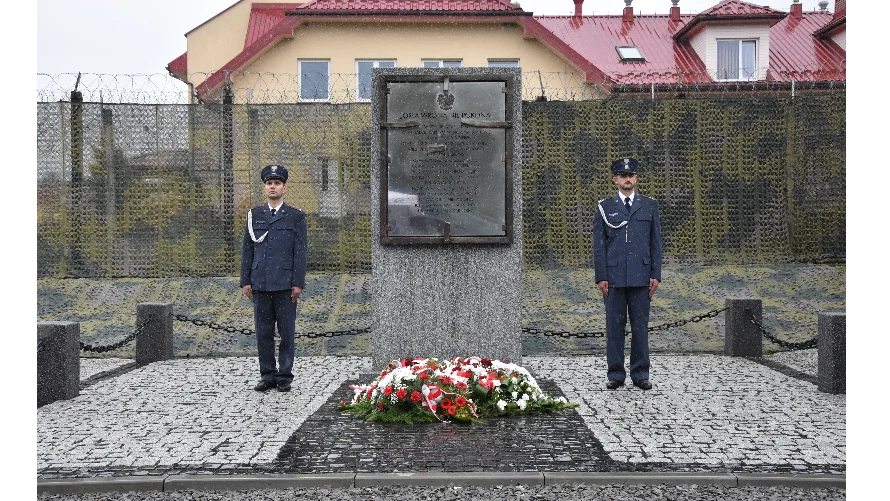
<point x="705" y="413"/>
<point x="90" y="367"/>
<point x="805" y="361"/>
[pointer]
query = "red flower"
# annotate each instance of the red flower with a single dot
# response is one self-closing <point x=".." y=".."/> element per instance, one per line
<point x="388" y="391"/>
<point x="486" y="362"/>
<point x="423" y="375"/>
<point x="460" y="401"/>
<point x="446" y="380"/>
<point x="461" y="385"/>
<point x="380" y="406"/>
<point x="452" y="410"/>
<point x="401" y="393"/>
<point x="415" y="397"/>
<point x="446" y="402"/>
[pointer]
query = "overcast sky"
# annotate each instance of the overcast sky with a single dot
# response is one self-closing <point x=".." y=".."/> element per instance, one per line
<point x="139" y="37"/>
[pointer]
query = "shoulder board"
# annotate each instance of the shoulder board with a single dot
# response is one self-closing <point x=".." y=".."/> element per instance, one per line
<point x="603" y="200"/>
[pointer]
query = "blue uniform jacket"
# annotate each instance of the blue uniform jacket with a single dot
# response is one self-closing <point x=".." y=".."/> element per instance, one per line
<point x="628" y="256"/>
<point x="279" y="261"/>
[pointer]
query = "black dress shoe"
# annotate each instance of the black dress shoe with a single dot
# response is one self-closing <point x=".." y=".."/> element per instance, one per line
<point x="614" y="384"/>
<point x="264" y="385"/>
<point x="283" y="385"/>
<point x="643" y="384"/>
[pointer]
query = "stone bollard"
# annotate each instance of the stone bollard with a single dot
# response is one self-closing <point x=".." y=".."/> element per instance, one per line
<point x="742" y="338"/>
<point x="155" y="342"/>
<point x="832" y="369"/>
<point x="58" y="361"/>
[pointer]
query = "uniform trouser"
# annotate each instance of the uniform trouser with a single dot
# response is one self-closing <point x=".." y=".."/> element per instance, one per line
<point x="270" y="308"/>
<point x="620" y="302"/>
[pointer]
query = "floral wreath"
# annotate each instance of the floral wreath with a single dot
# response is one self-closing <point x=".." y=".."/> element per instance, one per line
<point x="415" y="390"/>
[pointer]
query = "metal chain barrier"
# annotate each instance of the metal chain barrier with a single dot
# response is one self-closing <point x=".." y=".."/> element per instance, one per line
<point x="122" y="342"/>
<point x="664" y="326"/>
<point x="812" y="343"/>
<point x="249" y="332"/>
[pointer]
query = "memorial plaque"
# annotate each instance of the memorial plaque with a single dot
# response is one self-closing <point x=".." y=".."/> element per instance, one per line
<point x="447" y="163"/>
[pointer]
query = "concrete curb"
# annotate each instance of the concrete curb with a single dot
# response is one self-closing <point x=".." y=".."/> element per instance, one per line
<point x="475" y="479"/>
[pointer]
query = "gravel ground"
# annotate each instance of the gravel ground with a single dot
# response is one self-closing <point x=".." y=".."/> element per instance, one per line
<point x="555" y="492"/>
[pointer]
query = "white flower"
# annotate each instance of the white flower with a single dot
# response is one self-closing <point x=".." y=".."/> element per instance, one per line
<point x="515" y="394"/>
<point x="521" y="404"/>
<point x="501" y="405"/>
<point x="562" y="400"/>
<point x="524" y="397"/>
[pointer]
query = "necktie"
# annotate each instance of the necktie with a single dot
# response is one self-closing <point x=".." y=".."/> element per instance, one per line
<point x="627" y="204"/>
<point x="273" y="212"/>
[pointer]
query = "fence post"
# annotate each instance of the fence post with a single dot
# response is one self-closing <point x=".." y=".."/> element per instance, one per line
<point x="228" y="195"/>
<point x="742" y="338"/>
<point x="58" y="361"/>
<point x="832" y="361"/>
<point x="76" y="260"/>
<point x="155" y="342"/>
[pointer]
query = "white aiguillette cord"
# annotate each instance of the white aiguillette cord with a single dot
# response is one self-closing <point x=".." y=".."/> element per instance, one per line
<point x="258" y="240"/>
<point x="599" y="205"/>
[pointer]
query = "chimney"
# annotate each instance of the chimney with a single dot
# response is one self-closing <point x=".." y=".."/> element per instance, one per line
<point x="823" y="5"/>
<point x="628" y="16"/>
<point x="578" y="4"/>
<point x="797" y="10"/>
<point x="675" y="10"/>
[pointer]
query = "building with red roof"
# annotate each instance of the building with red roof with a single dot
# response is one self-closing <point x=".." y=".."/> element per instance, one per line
<point x="324" y="50"/>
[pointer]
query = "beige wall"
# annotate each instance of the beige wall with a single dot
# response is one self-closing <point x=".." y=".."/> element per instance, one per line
<point x="343" y="43"/>
<point x="215" y="42"/>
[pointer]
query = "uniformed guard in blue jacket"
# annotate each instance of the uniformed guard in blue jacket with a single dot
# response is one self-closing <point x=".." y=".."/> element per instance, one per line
<point x="273" y="274"/>
<point x="627" y="264"/>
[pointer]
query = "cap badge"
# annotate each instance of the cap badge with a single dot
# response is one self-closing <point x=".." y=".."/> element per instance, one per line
<point x="274" y="168"/>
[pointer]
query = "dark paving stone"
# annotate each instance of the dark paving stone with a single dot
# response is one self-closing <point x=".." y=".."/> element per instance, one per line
<point x="545" y="442"/>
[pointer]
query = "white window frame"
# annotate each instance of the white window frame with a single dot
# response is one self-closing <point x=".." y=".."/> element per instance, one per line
<point x="628" y="58"/>
<point x="441" y="63"/>
<point x="358" y="81"/>
<point x="499" y="63"/>
<point x="300" y="83"/>
<point x="741" y="69"/>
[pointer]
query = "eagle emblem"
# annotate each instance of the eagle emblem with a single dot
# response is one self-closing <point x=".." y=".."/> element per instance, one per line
<point x="446" y="100"/>
<point x="626" y="163"/>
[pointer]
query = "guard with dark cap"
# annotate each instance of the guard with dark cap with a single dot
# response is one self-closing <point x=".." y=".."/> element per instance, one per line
<point x="627" y="268"/>
<point x="273" y="274"/>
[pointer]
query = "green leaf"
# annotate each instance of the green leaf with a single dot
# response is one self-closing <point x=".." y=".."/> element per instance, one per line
<point x="479" y="390"/>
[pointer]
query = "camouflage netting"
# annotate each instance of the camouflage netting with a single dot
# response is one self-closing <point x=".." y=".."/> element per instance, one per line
<point x="163" y="189"/>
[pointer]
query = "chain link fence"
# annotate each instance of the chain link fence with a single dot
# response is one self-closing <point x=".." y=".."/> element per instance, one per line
<point x="134" y="182"/>
<point x="162" y="190"/>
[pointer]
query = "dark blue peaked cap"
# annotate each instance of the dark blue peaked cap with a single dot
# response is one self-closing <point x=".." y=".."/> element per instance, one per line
<point x="274" y="171"/>
<point x="627" y="164"/>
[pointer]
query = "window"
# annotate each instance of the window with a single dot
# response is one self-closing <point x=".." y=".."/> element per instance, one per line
<point x="314" y="80"/>
<point x="441" y="63"/>
<point x="363" y="69"/>
<point x="630" y="54"/>
<point x="503" y="63"/>
<point x="736" y="60"/>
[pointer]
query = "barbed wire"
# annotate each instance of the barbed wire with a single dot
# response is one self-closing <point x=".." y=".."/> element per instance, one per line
<point x="340" y="88"/>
